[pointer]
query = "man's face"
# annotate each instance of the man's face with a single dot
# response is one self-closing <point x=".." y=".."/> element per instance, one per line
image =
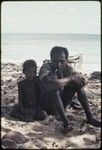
<point x="59" y="61"/>
<point x="30" y="73"/>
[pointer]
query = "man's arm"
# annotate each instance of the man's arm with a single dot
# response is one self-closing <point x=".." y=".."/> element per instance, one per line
<point x="51" y="83"/>
<point x="49" y="79"/>
<point x="52" y="86"/>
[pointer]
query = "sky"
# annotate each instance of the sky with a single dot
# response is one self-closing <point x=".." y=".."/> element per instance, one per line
<point x="51" y="17"/>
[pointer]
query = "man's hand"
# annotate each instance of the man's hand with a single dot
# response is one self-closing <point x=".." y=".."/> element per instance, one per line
<point x="78" y="80"/>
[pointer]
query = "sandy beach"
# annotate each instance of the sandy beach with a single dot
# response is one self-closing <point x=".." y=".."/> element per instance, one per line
<point x="47" y="134"/>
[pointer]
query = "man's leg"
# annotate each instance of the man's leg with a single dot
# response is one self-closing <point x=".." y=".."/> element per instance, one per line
<point x="67" y="95"/>
<point x="57" y="101"/>
<point x="82" y="97"/>
<point x="54" y="104"/>
<point x="47" y="104"/>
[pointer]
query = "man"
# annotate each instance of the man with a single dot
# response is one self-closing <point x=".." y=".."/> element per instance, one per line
<point x="60" y="83"/>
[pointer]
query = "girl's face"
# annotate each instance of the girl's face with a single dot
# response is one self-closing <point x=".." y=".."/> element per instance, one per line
<point x="30" y="73"/>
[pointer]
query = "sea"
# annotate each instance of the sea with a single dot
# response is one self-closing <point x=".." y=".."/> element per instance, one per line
<point x="18" y="47"/>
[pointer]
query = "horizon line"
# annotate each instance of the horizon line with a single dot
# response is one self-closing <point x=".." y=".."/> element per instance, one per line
<point x="49" y="33"/>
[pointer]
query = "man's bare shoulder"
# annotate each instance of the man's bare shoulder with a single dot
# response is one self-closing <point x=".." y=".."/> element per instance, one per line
<point x="44" y="70"/>
<point x="45" y="65"/>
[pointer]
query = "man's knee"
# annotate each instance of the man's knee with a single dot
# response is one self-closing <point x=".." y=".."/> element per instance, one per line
<point x="81" y="92"/>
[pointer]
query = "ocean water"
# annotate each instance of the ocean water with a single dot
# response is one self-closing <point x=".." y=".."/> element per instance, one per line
<point x="17" y="47"/>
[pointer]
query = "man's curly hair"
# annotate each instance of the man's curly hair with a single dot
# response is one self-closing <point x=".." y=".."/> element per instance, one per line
<point x="57" y="50"/>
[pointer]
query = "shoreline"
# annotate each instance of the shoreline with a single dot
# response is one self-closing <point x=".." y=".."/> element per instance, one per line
<point x="82" y="69"/>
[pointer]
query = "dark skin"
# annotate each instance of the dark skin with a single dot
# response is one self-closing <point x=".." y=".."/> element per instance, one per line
<point x="71" y="84"/>
<point x="60" y="62"/>
<point x="28" y="92"/>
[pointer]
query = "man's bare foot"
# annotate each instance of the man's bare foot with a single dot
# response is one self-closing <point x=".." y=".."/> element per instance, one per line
<point x="67" y="129"/>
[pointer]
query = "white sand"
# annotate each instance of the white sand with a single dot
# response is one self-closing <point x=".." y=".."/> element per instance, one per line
<point x="47" y="134"/>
